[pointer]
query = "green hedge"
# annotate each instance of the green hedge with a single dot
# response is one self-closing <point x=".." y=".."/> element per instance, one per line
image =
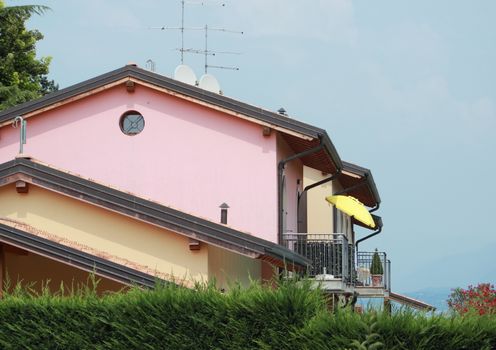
<point x="292" y="316"/>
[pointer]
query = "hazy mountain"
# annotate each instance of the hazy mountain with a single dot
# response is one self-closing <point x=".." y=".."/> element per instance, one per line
<point x="434" y="296"/>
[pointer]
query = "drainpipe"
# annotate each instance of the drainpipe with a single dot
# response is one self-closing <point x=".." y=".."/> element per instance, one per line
<point x="280" y="174"/>
<point x="321" y="182"/>
<point x="369" y="236"/>
<point x="377" y="206"/>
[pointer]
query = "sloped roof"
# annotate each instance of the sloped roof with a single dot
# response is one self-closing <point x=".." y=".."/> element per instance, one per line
<point x="74" y="257"/>
<point x="361" y="182"/>
<point x="415" y="303"/>
<point x="147" y="211"/>
<point x="300" y="136"/>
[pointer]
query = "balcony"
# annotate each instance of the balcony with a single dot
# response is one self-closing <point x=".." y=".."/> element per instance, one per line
<point x="331" y="255"/>
<point x="365" y="284"/>
<point x="333" y="262"/>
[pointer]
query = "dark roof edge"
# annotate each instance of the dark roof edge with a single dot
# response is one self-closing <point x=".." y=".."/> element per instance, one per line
<point x="151" y="212"/>
<point x="63" y="94"/>
<point x="364" y="172"/>
<point x="74" y="257"/>
<point x="331" y="151"/>
<point x="227" y="102"/>
<point x="168" y="83"/>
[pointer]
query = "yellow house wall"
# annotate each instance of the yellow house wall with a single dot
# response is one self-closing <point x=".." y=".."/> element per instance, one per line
<point x="320" y="217"/>
<point x="162" y="251"/>
<point x="35" y="270"/>
<point x="319" y="212"/>
<point x="228" y="267"/>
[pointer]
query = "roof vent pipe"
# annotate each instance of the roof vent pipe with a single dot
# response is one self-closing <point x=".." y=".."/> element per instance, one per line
<point x="223" y="213"/>
<point x="22" y="124"/>
<point x="282" y="111"/>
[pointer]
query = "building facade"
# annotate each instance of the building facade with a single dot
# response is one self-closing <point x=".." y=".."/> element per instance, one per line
<point x="161" y="179"/>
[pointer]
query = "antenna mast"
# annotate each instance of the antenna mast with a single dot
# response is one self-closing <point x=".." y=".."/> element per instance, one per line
<point x="182" y="28"/>
<point x="206" y="52"/>
<point x="182" y="31"/>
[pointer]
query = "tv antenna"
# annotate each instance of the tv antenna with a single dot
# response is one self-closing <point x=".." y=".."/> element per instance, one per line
<point x="182" y="28"/>
<point x="206" y="52"/>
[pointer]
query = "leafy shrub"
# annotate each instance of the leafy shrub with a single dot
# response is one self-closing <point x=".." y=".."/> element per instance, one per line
<point x="480" y="300"/>
<point x="293" y="315"/>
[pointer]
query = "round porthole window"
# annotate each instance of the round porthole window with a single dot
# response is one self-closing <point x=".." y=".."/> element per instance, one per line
<point x="132" y="123"/>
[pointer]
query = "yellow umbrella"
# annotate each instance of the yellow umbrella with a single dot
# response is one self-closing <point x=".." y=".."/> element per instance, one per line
<point x="353" y="207"/>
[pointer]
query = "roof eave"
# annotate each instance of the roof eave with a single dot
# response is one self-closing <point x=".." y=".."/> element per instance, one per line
<point x="331" y="151"/>
<point x="74" y="257"/>
<point x="63" y="94"/>
<point x="367" y="174"/>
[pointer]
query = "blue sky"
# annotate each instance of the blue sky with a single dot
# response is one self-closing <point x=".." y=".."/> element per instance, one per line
<point x="405" y="88"/>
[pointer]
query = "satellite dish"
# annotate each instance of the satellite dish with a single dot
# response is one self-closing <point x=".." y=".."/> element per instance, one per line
<point x="209" y="82"/>
<point x="185" y="74"/>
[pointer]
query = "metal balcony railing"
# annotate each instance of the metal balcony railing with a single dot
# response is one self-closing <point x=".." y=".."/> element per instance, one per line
<point x="330" y="254"/>
<point x="363" y="275"/>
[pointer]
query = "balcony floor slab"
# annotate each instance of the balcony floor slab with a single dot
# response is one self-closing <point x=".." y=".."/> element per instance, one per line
<point x="371" y="292"/>
<point x="334" y="285"/>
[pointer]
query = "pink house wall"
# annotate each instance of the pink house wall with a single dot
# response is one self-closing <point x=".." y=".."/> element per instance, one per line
<point x="188" y="157"/>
